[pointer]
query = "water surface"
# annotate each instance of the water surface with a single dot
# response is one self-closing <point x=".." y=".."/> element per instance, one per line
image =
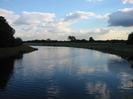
<point x="66" y="73"/>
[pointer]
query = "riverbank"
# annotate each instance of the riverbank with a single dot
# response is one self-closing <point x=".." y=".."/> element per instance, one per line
<point x="120" y="49"/>
<point x="14" y="51"/>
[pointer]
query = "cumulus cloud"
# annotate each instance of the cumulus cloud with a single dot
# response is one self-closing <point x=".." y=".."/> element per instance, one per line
<point x="36" y="25"/>
<point x="78" y="16"/>
<point x="42" y="25"/>
<point x="123" y="17"/>
<point x="29" y="18"/>
<point x="127" y="1"/>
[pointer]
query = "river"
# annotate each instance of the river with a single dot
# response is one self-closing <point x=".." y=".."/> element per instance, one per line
<point x="66" y="73"/>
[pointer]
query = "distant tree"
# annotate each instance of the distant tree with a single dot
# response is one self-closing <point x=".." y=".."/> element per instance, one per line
<point x="130" y="38"/>
<point x="6" y="33"/>
<point x="91" y="39"/>
<point x="72" y="38"/>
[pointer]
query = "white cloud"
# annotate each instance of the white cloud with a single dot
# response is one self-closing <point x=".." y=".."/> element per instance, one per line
<point x="78" y="16"/>
<point x="103" y="17"/>
<point x="36" y="25"/>
<point x="113" y="33"/>
<point x="107" y="33"/>
<point x="127" y="1"/>
<point x="126" y="10"/>
<point x="9" y="15"/>
<point x="30" y="18"/>
<point x="41" y="25"/>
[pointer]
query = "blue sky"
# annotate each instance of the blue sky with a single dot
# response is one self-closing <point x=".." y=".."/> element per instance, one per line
<point x="56" y="19"/>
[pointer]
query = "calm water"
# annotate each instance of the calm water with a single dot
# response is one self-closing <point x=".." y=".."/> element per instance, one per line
<point x="66" y="73"/>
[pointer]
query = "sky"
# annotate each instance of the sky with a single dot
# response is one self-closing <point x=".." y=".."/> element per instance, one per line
<point x="57" y="19"/>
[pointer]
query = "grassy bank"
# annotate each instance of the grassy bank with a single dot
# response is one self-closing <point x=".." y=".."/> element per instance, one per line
<point x="120" y="49"/>
<point x="14" y="51"/>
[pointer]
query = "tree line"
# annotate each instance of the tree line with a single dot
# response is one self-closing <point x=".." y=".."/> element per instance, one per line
<point x="91" y="40"/>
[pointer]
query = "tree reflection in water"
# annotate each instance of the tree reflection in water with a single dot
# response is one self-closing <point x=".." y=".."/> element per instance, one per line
<point x="6" y="70"/>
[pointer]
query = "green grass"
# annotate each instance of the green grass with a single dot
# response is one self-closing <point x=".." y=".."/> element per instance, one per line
<point x="14" y="51"/>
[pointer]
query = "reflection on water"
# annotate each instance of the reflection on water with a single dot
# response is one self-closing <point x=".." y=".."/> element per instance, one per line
<point x="6" y="70"/>
<point x="98" y="89"/>
<point x="123" y="72"/>
<point x="66" y="73"/>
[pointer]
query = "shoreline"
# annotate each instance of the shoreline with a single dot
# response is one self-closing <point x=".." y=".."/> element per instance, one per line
<point x="9" y="52"/>
<point x="120" y="49"/>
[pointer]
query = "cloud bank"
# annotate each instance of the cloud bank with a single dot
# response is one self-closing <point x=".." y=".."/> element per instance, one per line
<point x="123" y="17"/>
<point x="43" y="25"/>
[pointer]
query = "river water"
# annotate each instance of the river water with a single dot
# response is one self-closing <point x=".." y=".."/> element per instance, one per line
<point x="66" y="73"/>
